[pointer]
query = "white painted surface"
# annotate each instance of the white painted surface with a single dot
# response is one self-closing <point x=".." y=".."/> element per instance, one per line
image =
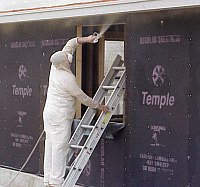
<point x="23" y="179"/>
<point x="28" y="10"/>
<point x="6" y="5"/>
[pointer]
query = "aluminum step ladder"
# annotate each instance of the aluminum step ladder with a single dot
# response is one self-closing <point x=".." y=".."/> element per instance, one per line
<point x="87" y="135"/>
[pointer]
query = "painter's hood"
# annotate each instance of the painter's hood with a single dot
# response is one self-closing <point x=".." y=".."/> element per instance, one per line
<point x="29" y="10"/>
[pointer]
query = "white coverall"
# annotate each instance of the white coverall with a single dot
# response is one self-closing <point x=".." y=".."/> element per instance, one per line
<point x="59" y="113"/>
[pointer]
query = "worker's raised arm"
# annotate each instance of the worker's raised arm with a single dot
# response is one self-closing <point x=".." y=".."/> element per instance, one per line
<point x="88" y="39"/>
<point x="72" y="44"/>
<point x="76" y="91"/>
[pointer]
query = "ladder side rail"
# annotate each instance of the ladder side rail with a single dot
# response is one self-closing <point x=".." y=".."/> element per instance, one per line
<point x="117" y="61"/>
<point x="77" y="167"/>
<point x="86" y="120"/>
<point x="99" y="96"/>
<point x="119" y="90"/>
<point x="79" y="132"/>
<point x="117" y="93"/>
<point x="109" y="77"/>
<point x="90" y="113"/>
<point x="105" y="82"/>
<point x="119" y="86"/>
<point x="113" y="101"/>
<point x="94" y="137"/>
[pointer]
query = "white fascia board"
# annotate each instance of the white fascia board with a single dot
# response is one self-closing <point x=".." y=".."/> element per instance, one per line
<point x="120" y="6"/>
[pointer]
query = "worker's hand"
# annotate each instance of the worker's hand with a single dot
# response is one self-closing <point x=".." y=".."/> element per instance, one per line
<point x="87" y="39"/>
<point x="104" y="108"/>
<point x="91" y="38"/>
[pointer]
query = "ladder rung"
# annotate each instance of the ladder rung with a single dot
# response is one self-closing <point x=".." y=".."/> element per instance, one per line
<point x="68" y="167"/>
<point x="108" y="87"/>
<point x="119" y="68"/>
<point x="87" y="126"/>
<point x="117" y="77"/>
<point x="76" y="146"/>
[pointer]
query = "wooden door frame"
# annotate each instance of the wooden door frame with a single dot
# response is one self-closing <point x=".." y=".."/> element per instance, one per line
<point x="78" y="69"/>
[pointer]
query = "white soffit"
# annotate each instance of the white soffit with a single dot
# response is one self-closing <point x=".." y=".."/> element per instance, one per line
<point x="30" y="10"/>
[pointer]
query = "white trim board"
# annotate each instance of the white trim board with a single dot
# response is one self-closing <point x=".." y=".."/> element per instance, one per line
<point x="100" y="7"/>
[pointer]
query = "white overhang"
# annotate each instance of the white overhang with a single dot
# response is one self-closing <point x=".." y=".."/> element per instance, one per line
<point x="31" y="10"/>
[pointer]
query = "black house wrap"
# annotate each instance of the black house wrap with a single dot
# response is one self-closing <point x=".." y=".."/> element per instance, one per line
<point x="160" y="144"/>
<point x="25" y="52"/>
<point x="162" y="105"/>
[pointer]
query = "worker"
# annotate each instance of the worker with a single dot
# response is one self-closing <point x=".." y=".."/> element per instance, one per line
<point x="59" y="110"/>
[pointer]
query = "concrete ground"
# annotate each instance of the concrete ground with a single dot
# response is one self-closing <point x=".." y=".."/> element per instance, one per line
<point x="22" y="180"/>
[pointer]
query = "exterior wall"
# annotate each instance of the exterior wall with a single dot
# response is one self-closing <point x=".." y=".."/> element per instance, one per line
<point x="162" y="105"/>
<point x="159" y="145"/>
<point x="25" y="50"/>
<point x="24" y="69"/>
